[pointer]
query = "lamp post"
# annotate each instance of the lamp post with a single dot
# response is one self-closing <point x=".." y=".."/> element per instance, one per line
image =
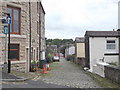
<point x="9" y="62"/>
<point x="7" y="20"/>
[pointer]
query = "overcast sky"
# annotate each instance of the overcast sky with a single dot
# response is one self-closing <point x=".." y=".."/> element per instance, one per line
<point x="68" y="19"/>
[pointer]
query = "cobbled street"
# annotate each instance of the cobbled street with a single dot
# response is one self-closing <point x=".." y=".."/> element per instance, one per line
<point x="63" y="74"/>
<point x="68" y="74"/>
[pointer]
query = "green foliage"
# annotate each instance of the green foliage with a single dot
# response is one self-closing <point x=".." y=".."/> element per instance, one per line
<point x="113" y="63"/>
<point x="104" y="82"/>
<point x="49" y="57"/>
<point x="54" y="42"/>
<point x="49" y="54"/>
<point x="34" y="65"/>
<point x="67" y="41"/>
<point x="59" y="42"/>
<point x="34" y="62"/>
<point x="62" y="49"/>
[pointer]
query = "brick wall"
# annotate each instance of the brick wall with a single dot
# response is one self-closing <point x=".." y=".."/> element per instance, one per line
<point x="112" y="73"/>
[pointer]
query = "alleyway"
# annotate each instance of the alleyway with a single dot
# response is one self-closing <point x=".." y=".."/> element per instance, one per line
<point x="68" y="74"/>
<point x="64" y="74"/>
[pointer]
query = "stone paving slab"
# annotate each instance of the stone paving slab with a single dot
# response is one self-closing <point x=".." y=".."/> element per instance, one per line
<point x="11" y="78"/>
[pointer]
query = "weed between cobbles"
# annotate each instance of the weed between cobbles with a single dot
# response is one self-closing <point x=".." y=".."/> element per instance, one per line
<point x="103" y="82"/>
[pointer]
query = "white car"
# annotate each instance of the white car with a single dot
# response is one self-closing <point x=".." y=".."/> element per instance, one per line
<point x="56" y="58"/>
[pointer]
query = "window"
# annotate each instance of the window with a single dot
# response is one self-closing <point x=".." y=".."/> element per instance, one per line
<point x="111" y="44"/>
<point x="14" y="51"/>
<point x="37" y="7"/>
<point x="15" y="16"/>
<point x="37" y="27"/>
<point x="32" y="53"/>
<point x="37" y="53"/>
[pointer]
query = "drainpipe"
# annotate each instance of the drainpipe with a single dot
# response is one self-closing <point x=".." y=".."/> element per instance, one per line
<point x="119" y="28"/>
<point x="119" y="45"/>
<point x="119" y="48"/>
<point x="40" y="51"/>
<point x="30" y="35"/>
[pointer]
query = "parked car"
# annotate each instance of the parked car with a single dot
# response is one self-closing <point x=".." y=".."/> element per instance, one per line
<point x="56" y="58"/>
<point x="57" y="54"/>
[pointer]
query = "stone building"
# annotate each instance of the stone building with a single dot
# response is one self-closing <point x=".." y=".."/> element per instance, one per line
<point x="20" y="42"/>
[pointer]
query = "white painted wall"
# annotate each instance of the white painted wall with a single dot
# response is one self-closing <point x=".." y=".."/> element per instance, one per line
<point x="70" y="51"/>
<point x="98" y="49"/>
<point x="99" y="68"/>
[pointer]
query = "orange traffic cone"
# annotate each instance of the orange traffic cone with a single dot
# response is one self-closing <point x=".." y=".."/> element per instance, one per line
<point x="48" y="67"/>
<point x="37" y="70"/>
<point x="44" y="70"/>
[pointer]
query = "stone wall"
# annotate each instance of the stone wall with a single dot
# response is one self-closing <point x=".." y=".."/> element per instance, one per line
<point x="23" y="38"/>
<point x="20" y="67"/>
<point x="81" y="62"/>
<point x="112" y="73"/>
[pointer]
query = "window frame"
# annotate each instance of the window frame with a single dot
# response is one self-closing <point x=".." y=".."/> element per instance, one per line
<point x="111" y="44"/>
<point x="17" y="59"/>
<point x="19" y="19"/>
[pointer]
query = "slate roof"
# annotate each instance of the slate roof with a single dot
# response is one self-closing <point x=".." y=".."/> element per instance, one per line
<point x="79" y="40"/>
<point x="102" y="33"/>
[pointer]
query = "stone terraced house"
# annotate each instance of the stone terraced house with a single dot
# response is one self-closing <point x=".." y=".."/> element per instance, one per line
<point x="20" y="33"/>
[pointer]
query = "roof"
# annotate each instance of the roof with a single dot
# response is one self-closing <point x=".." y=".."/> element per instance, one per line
<point x="79" y="39"/>
<point x="102" y="33"/>
<point x="42" y="7"/>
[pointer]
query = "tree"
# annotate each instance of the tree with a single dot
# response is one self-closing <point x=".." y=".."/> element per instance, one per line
<point x="57" y="42"/>
<point x="61" y="44"/>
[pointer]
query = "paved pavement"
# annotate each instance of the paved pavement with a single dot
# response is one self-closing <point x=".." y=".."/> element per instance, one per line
<point x="9" y="76"/>
<point x="30" y="84"/>
<point x="68" y="74"/>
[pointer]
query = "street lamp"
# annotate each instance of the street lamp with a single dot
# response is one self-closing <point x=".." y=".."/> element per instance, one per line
<point x="9" y="22"/>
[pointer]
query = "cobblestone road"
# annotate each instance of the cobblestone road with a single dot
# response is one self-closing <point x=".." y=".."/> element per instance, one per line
<point x="69" y="74"/>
